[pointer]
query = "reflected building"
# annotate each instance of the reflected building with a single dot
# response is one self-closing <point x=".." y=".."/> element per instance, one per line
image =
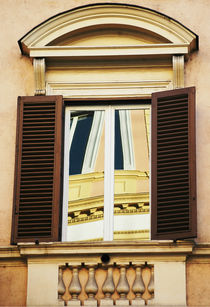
<point x="131" y="175"/>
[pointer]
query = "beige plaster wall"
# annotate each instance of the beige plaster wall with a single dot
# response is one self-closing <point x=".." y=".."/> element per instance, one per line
<point x="198" y="283"/>
<point x="13" y="284"/>
<point x="17" y="17"/>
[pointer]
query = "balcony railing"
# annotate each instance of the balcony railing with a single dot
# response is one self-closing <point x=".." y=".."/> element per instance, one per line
<point x="128" y="273"/>
<point x="106" y="285"/>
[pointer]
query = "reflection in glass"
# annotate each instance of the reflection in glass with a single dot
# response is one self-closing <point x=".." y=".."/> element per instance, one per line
<point x="86" y="176"/>
<point x="131" y="198"/>
<point x="118" y="163"/>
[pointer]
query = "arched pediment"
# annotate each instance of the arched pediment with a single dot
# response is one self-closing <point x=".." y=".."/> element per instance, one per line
<point x="91" y="28"/>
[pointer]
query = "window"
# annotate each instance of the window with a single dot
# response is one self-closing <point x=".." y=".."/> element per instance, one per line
<point x="107" y="185"/>
<point x="105" y="51"/>
<point x="38" y="196"/>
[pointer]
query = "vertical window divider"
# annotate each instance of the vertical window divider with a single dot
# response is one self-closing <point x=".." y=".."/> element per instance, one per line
<point x="67" y="144"/>
<point x="109" y="175"/>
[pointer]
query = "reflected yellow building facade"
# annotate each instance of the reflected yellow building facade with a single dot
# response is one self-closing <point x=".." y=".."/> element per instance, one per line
<point x="131" y="182"/>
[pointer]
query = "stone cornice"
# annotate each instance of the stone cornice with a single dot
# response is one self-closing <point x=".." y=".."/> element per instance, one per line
<point x="119" y="249"/>
<point x="149" y="250"/>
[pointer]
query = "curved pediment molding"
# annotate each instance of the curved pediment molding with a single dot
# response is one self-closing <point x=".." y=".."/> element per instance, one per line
<point x="91" y="28"/>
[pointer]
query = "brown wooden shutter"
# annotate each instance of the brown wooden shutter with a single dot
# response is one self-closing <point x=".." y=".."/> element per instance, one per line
<point x="37" y="196"/>
<point x="173" y="165"/>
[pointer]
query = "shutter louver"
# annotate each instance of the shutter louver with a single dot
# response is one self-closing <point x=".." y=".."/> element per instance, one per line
<point x="38" y="169"/>
<point x="173" y="165"/>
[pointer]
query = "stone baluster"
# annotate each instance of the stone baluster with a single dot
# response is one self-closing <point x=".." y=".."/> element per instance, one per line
<point x="61" y="286"/>
<point x="108" y="288"/>
<point x="151" y="283"/>
<point x="150" y="287"/>
<point x="75" y="287"/>
<point x="123" y="287"/>
<point x="138" y="287"/>
<point x="91" y="288"/>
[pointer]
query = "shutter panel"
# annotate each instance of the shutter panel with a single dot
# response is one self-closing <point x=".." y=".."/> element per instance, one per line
<point x="37" y="196"/>
<point x="173" y="165"/>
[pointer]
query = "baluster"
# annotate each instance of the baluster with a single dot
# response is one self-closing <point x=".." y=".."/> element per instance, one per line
<point x="108" y="288"/>
<point x="123" y="288"/>
<point x="151" y="283"/>
<point x="138" y="287"/>
<point x="61" y="286"/>
<point x="91" y="288"/>
<point x="150" y="288"/>
<point x="75" y="287"/>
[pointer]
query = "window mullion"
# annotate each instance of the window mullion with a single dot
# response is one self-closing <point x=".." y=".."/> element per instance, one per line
<point x="109" y="175"/>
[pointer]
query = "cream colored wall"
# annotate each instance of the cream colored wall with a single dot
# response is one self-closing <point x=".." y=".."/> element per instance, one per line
<point x="17" y="17"/>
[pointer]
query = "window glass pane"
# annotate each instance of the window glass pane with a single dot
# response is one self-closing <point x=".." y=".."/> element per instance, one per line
<point x="86" y="176"/>
<point x="131" y="197"/>
<point x="118" y="162"/>
<point x="79" y="140"/>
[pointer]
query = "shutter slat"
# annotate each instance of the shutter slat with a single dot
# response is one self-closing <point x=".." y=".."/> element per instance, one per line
<point x="38" y="169"/>
<point x="173" y="165"/>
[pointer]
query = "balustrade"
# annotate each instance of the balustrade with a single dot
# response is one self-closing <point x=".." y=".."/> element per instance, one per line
<point x="106" y="285"/>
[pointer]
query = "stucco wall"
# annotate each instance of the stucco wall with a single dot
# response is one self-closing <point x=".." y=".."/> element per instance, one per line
<point x="17" y="17"/>
<point x="13" y="284"/>
<point x="198" y="283"/>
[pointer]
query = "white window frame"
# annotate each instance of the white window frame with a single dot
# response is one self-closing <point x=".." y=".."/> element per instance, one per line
<point x="109" y="116"/>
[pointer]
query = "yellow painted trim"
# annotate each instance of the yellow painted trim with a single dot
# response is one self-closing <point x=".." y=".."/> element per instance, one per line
<point x="78" y="217"/>
<point x="132" y="235"/>
<point x="97" y="201"/>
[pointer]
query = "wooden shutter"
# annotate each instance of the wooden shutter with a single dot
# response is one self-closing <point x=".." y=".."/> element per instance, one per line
<point x="37" y="196"/>
<point x="173" y="165"/>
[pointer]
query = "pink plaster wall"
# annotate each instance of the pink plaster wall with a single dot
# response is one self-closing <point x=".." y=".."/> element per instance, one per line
<point x="198" y="284"/>
<point x="13" y="285"/>
<point x="17" y="17"/>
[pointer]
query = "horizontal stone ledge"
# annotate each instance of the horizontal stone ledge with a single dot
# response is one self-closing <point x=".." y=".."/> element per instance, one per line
<point x="122" y="248"/>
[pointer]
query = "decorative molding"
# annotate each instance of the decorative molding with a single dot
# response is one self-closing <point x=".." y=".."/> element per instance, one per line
<point x="116" y="89"/>
<point x="133" y="249"/>
<point x="178" y="71"/>
<point x="55" y="64"/>
<point x="9" y="252"/>
<point x="17" y="263"/>
<point x="97" y="201"/>
<point x="39" y="76"/>
<point x="95" y="214"/>
<point x="132" y="231"/>
<point x="110" y="51"/>
<point x="126" y="16"/>
<point x="199" y="253"/>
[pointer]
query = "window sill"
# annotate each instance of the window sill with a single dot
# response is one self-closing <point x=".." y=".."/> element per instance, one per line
<point x="148" y="249"/>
